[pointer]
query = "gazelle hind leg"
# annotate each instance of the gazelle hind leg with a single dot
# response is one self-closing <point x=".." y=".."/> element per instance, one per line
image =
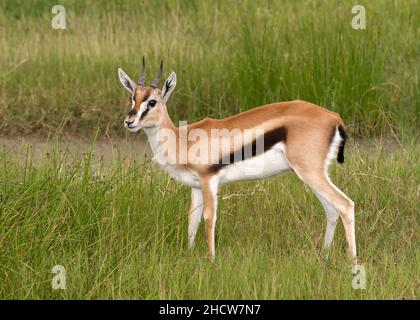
<point x="333" y="200"/>
<point x="195" y="215"/>
<point x="332" y="217"/>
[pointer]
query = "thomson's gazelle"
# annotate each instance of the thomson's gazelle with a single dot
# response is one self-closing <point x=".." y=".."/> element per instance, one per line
<point x="255" y="144"/>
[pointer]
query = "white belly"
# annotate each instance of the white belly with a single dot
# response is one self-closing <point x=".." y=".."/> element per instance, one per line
<point x="270" y="163"/>
<point x="188" y="178"/>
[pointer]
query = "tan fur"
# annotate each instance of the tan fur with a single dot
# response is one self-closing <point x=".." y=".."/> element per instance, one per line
<point x="308" y="127"/>
<point x="209" y="214"/>
<point x="141" y="94"/>
<point x="309" y="133"/>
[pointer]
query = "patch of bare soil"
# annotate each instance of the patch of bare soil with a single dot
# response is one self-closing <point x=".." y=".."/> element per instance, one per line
<point x="107" y="149"/>
<point x="131" y="147"/>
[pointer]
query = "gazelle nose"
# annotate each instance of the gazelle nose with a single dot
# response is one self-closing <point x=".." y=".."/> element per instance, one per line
<point x="128" y="122"/>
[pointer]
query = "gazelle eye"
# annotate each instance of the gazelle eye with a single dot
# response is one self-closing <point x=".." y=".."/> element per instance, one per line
<point x="152" y="103"/>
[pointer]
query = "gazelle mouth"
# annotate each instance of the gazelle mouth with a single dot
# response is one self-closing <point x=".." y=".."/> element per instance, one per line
<point x="133" y="128"/>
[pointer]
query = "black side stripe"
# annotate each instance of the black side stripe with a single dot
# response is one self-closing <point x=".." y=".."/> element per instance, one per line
<point x="268" y="140"/>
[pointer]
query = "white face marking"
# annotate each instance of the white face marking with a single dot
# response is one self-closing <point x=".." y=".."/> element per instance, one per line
<point x="133" y="122"/>
<point x="143" y="107"/>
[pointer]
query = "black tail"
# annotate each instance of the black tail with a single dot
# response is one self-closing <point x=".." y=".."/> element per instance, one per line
<point x="343" y="135"/>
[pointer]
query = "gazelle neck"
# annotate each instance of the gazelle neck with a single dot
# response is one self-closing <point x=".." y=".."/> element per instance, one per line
<point x="155" y="139"/>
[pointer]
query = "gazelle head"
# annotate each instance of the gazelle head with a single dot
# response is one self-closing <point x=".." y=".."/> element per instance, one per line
<point x="148" y="103"/>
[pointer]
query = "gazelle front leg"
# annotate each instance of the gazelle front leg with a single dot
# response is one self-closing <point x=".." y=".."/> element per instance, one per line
<point x="195" y="214"/>
<point x="210" y="188"/>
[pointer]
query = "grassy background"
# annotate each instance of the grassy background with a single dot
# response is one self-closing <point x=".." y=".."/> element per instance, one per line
<point x="119" y="226"/>
<point x="229" y="57"/>
<point x="120" y="230"/>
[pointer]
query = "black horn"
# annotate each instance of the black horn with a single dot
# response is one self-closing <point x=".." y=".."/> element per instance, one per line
<point x="143" y="69"/>
<point x="155" y="82"/>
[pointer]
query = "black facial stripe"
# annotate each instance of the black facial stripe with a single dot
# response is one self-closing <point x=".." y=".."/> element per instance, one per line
<point x="149" y="106"/>
<point x="270" y="138"/>
<point x="144" y="113"/>
<point x="132" y="112"/>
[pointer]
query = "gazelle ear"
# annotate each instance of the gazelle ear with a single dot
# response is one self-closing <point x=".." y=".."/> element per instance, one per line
<point x="127" y="83"/>
<point x="169" y="86"/>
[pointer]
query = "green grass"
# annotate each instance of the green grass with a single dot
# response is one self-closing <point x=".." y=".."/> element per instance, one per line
<point x="229" y="57"/>
<point x="119" y="228"/>
<point x="119" y="225"/>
